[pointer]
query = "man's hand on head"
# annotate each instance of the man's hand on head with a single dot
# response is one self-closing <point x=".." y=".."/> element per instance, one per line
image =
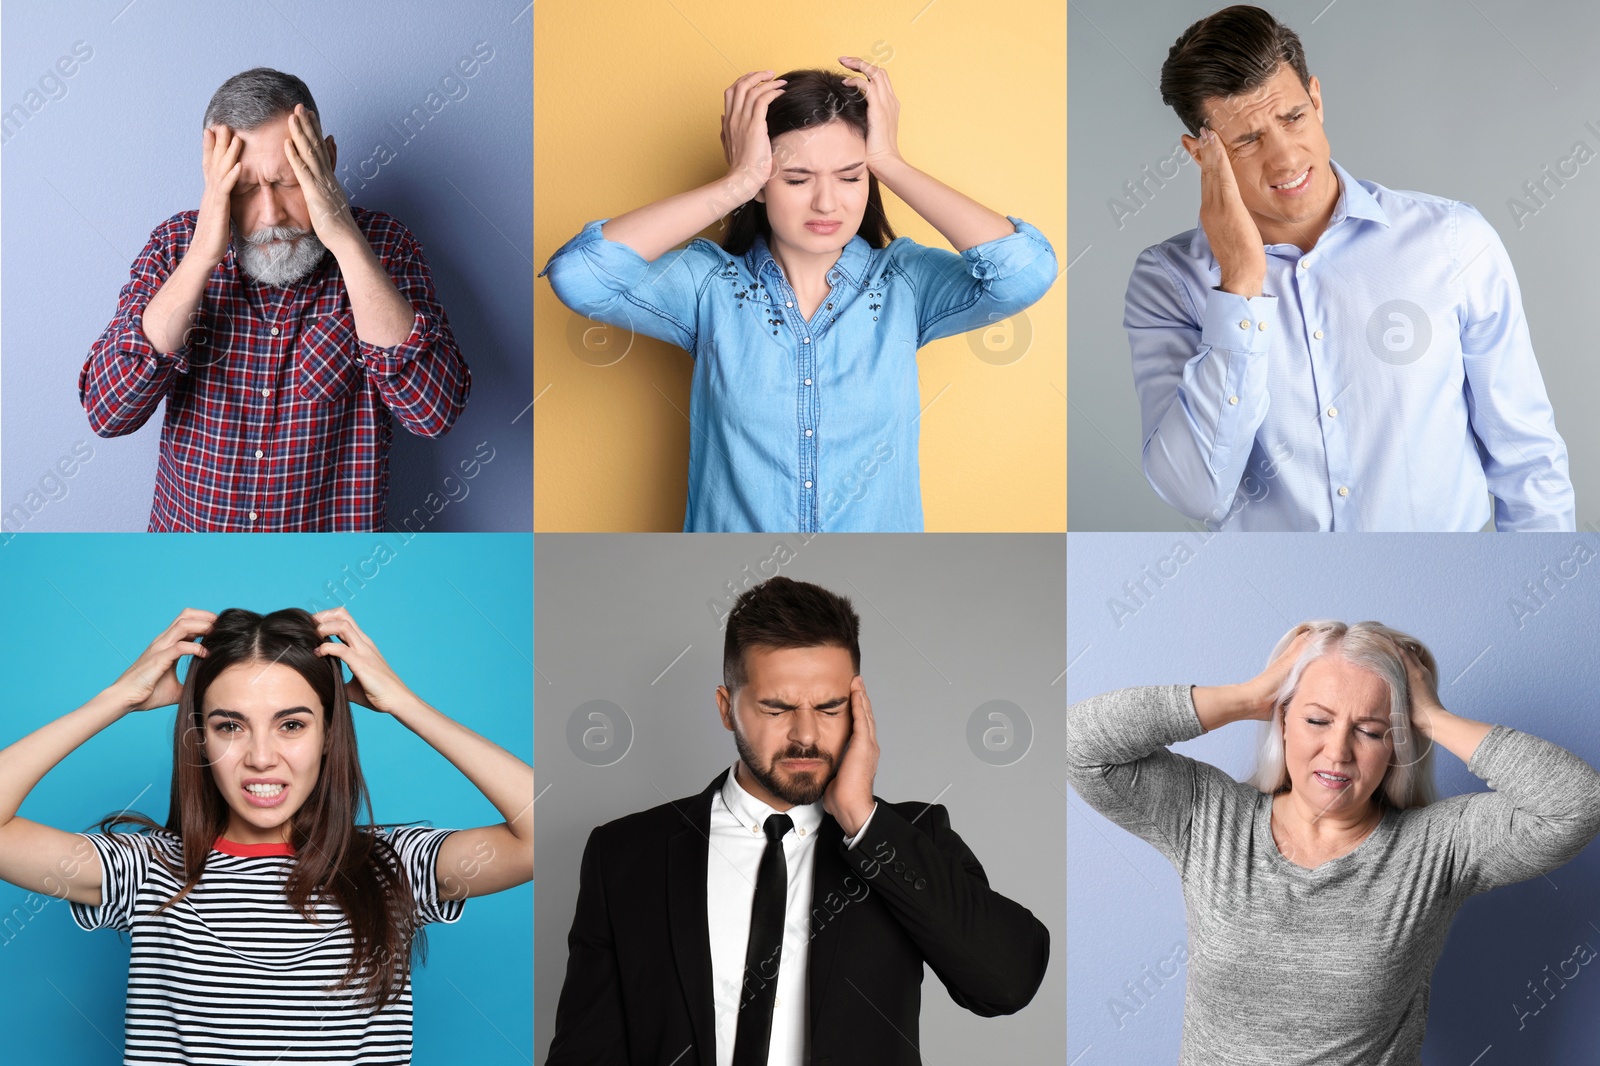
<point x="220" y="148"/>
<point x="849" y="794"/>
<point x="311" y="156"/>
<point x="1233" y="234"/>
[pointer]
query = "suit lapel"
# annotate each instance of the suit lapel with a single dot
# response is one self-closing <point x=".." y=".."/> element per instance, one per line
<point x="687" y="851"/>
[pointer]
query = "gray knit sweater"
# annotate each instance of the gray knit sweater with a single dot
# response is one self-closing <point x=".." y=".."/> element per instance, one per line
<point x="1329" y="966"/>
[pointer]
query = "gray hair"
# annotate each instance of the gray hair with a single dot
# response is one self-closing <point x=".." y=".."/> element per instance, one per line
<point x="1374" y="647"/>
<point x="249" y="100"/>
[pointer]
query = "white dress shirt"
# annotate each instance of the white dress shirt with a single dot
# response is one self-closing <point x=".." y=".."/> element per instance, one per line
<point x="737" y="841"/>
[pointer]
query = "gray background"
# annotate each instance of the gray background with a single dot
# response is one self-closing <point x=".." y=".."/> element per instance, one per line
<point x="1468" y="100"/>
<point x="948" y="622"/>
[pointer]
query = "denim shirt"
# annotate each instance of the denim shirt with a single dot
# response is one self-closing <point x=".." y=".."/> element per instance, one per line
<point x="803" y="425"/>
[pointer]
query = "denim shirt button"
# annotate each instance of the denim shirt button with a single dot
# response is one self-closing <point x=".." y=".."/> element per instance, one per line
<point x="808" y="433"/>
<point x="808" y="484"/>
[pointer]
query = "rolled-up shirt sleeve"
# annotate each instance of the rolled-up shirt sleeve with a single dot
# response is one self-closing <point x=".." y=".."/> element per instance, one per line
<point x="124" y="378"/>
<point x="423" y="380"/>
<point x="609" y="282"/>
<point x="979" y="287"/>
<point x="1201" y="376"/>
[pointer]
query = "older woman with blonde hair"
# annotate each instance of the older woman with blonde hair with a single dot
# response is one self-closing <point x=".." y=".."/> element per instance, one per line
<point x="1319" y="891"/>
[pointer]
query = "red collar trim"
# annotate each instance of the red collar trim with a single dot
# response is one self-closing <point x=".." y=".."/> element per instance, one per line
<point x="251" y="851"/>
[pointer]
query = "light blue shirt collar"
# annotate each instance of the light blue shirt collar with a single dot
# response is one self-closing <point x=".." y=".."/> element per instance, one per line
<point x="1354" y="202"/>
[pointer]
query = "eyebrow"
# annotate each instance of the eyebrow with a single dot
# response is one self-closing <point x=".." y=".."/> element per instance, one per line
<point x="1363" y="718"/>
<point x="1248" y="134"/>
<point x="803" y="170"/>
<point x="826" y="705"/>
<point x="235" y="716"/>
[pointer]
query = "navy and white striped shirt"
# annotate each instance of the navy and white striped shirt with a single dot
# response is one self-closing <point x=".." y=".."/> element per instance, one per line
<point x="232" y="973"/>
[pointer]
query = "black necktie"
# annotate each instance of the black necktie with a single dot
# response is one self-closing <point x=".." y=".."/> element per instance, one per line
<point x="762" y="951"/>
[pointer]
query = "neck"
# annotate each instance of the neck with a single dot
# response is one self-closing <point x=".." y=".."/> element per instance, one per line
<point x="242" y="832"/>
<point x="1301" y="817"/>
<point x="1303" y="235"/>
<point x="804" y="271"/>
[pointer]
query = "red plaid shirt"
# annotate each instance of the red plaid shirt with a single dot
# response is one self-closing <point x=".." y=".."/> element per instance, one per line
<point x="278" y="415"/>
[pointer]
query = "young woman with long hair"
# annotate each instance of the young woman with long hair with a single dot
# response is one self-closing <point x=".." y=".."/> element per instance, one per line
<point x="805" y="323"/>
<point x="269" y="918"/>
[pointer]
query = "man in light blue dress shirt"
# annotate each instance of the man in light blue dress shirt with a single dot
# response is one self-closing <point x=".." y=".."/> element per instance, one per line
<point x="1324" y="353"/>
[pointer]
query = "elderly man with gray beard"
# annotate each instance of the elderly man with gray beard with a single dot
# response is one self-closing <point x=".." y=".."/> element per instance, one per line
<point x="285" y="329"/>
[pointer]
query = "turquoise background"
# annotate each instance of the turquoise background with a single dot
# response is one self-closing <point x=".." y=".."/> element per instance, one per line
<point x="451" y="613"/>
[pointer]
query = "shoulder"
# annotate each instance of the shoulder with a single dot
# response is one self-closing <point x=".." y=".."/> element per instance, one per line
<point x="1184" y="256"/>
<point x="652" y="824"/>
<point x="1412" y="208"/>
<point x="172" y="235"/>
<point x="707" y="257"/>
<point x="139" y="846"/>
<point x="379" y="227"/>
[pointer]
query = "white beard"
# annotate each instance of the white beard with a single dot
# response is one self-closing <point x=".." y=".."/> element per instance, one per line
<point x="273" y="256"/>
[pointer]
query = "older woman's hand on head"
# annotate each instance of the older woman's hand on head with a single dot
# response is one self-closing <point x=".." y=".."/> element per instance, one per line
<point x="1254" y="700"/>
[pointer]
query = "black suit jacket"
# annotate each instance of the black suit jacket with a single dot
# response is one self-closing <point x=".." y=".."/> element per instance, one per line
<point x="638" y="986"/>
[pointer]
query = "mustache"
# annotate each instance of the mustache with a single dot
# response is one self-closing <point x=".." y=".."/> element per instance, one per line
<point x="268" y="234"/>
<point x="794" y="751"/>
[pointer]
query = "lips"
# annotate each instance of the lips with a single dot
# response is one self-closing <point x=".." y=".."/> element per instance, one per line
<point x="1330" y="779"/>
<point x="822" y="226"/>
<point x="1295" y="185"/>
<point x="264" y="793"/>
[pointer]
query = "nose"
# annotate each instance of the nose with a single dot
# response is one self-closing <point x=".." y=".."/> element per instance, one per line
<point x="259" y="753"/>
<point x="803" y="727"/>
<point x="826" y="196"/>
<point x="269" y="206"/>
<point x="1341" y="746"/>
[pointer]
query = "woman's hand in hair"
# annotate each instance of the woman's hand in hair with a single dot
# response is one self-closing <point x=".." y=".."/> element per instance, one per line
<point x="744" y="130"/>
<point x="152" y="679"/>
<point x="1425" y="705"/>
<point x="883" y="110"/>
<point x="373" y="683"/>
<point x="1218" y="705"/>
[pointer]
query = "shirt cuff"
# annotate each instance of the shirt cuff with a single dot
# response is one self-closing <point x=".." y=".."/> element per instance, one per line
<point x="131" y="340"/>
<point x="850" y="842"/>
<point x="613" y="264"/>
<point x="1007" y="256"/>
<point x="386" y="362"/>
<point x="1236" y="324"/>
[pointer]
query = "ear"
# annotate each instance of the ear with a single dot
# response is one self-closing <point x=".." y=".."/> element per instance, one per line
<point x="1192" y="146"/>
<point x="725" y="707"/>
<point x="761" y="195"/>
<point x="1315" y="92"/>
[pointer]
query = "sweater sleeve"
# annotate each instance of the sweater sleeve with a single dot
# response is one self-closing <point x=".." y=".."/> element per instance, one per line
<point x="1118" y="761"/>
<point x="1543" y="810"/>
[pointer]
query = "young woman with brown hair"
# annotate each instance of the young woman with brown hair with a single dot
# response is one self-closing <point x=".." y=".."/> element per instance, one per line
<point x="268" y="918"/>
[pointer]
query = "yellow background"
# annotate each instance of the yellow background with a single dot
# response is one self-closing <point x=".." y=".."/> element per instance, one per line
<point x="627" y="106"/>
